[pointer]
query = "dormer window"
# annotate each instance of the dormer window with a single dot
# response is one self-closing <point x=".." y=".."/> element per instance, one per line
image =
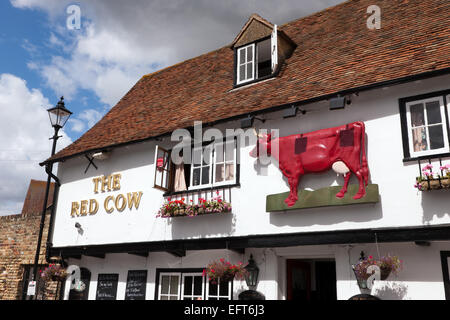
<point x="254" y="61"/>
<point x="256" y="51"/>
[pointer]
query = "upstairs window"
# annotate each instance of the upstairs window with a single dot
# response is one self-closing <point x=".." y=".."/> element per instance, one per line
<point x="425" y="125"/>
<point x="211" y="165"/>
<point x="254" y="61"/>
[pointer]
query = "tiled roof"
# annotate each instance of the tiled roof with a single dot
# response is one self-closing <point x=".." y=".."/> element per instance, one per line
<point x="335" y="52"/>
<point x="34" y="199"/>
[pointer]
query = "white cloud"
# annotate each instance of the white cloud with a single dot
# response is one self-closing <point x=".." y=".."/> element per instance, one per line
<point x="120" y="41"/>
<point x="24" y="140"/>
<point x="85" y="120"/>
<point x="76" y="125"/>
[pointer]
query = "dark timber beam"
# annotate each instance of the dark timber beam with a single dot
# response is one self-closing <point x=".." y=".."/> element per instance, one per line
<point x="141" y="253"/>
<point x="74" y="256"/>
<point x="178" y="247"/>
<point x="177" y="252"/>
<point x="96" y="255"/>
<point x="237" y="250"/>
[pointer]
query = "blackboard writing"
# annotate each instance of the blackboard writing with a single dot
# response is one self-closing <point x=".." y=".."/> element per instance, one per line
<point x="107" y="286"/>
<point x="136" y="285"/>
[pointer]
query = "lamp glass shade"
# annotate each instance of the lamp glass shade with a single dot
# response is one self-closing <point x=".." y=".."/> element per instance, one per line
<point x="59" y="115"/>
<point x="252" y="273"/>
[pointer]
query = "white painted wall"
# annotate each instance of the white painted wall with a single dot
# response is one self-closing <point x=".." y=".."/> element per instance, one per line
<point x="400" y="205"/>
<point x="420" y="279"/>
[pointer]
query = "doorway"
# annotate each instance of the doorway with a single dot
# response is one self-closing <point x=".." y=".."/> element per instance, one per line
<point x="311" y="280"/>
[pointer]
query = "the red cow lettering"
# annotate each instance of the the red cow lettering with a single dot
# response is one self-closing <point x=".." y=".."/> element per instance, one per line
<point x="341" y="149"/>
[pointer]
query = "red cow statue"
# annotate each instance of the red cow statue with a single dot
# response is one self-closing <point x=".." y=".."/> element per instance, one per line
<point x="341" y="149"/>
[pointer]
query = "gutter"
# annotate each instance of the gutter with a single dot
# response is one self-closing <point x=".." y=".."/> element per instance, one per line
<point x="420" y="76"/>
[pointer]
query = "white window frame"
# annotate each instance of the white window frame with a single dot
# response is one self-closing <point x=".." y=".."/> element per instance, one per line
<point x="225" y="182"/>
<point x="164" y="173"/>
<point x="444" y="125"/>
<point x="212" y="165"/>
<point x="192" y="295"/>
<point x="218" y="296"/>
<point x="179" y="275"/>
<point x="239" y="63"/>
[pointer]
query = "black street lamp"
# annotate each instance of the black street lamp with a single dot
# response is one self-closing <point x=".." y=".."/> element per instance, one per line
<point x="251" y="278"/>
<point x="58" y="118"/>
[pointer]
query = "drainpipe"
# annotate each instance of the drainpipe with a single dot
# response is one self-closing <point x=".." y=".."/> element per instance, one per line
<point x="49" y="243"/>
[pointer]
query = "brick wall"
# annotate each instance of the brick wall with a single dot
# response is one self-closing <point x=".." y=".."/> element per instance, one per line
<point x="18" y="241"/>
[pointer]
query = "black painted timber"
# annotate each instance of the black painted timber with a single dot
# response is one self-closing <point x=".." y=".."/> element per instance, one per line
<point x="406" y="234"/>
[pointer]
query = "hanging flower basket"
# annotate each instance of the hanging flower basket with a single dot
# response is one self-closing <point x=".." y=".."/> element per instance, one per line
<point x="389" y="264"/>
<point x="58" y="278"/>
<point x="224" y="270"/>
<point x="54" y="272"/>
<point x="385" y="272"/>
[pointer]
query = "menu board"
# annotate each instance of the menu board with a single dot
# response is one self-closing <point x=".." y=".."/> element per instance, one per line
<point x="136" y="285"/>
<point x="107" y="286"/>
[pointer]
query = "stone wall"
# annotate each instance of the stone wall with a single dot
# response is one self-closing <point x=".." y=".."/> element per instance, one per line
<point x="18" y="240"/>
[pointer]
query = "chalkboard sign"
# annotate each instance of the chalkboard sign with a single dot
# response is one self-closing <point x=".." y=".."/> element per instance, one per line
<point x="136" y="285"/>
<point x="107" y="286"/>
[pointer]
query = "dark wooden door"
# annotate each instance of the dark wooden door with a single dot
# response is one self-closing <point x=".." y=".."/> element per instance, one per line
<point x="325" y="281"/>
<point x="298" y="280"/>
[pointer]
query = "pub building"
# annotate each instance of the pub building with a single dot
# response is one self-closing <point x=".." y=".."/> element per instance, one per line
<point x="355" y="121"/>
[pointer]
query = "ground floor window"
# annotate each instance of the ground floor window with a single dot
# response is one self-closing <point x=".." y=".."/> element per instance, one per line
<point x="190" y="285"/>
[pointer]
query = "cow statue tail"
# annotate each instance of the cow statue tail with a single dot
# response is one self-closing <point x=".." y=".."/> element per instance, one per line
<point x="364" y="167"/>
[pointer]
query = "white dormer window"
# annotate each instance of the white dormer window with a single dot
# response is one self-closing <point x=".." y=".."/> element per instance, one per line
<point x="257" y="60"/>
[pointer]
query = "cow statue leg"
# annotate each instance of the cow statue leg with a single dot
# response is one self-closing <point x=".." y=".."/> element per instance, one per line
<point x="343" y="191"/>
<point x="293" y="196"/>
<point x="362" y="190"/>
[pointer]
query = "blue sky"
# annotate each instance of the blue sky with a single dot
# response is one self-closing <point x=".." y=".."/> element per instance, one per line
<point x="119" y="41"/>
<point x="24" y="41"/>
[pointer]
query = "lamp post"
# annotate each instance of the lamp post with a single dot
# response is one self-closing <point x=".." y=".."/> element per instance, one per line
<point x="58" y="117"/>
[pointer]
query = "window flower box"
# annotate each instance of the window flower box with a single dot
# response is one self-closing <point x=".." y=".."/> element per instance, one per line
<point x="179" y="208"/>
<point x="430" y="180"/>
